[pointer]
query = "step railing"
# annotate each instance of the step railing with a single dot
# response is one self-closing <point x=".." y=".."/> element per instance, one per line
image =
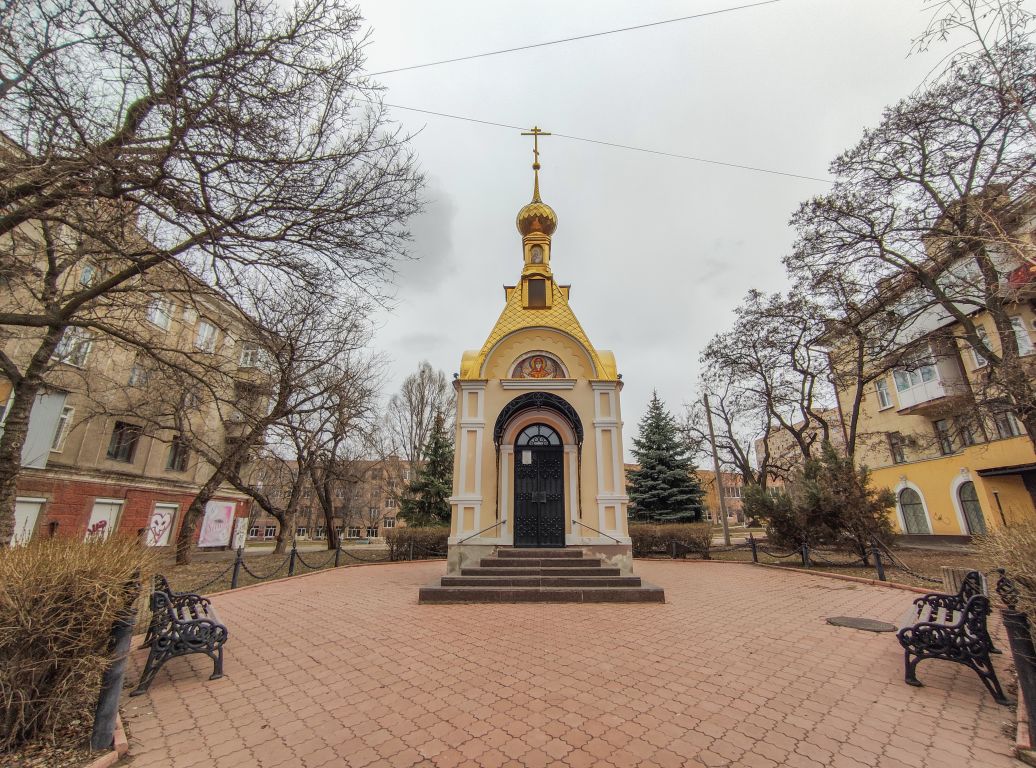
<point x="479" y="533"/>
<point x="580" y="522"/>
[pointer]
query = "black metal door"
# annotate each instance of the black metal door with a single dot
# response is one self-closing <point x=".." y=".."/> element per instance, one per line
<point x="539" y="493"/>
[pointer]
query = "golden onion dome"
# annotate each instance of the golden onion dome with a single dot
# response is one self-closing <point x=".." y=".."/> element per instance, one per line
<point x="537" y="216"/>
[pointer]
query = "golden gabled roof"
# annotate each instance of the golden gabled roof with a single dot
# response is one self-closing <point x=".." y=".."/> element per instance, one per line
<point x="515" y="317"/>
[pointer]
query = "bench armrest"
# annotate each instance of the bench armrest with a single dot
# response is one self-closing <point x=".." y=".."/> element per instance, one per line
<point x="200" y="633"/>
<point x="937" y="600"/>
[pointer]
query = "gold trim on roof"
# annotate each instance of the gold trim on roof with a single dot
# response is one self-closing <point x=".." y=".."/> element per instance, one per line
<point x="516" y="317"/>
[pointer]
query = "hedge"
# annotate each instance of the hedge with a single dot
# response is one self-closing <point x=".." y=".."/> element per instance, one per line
<point x="648" y="540"/>
<point x="428" y="542"/>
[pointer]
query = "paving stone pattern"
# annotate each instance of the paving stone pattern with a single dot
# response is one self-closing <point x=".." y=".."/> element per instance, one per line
<point x="738" y="668"/>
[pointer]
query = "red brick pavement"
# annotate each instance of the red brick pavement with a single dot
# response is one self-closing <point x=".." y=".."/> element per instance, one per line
<point x="344" y="668"/>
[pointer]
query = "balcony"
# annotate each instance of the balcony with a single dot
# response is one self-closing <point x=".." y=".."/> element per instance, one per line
<point x="931" y="385"/>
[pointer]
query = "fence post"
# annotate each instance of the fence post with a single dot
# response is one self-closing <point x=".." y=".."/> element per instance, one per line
<point x="751" y="543"/>
<point x="237" y="568"/>
<point x="291" y="561"/>
<point x="411" y="549"/>
<point x="107" y="709"/>
<point x="338" y="550"/>
<point x="877" y="562"/>
<point x="1017" y="625"/>
<point x="672" y="546"/>
<point x="805" y="555"/>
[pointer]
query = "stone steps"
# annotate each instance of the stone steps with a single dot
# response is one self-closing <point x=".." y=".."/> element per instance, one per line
<point x="642" y="594"/>
<point x="541" y="576"/>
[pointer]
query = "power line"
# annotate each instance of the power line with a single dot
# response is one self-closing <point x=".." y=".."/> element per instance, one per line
<point x="615" y="145"/>
<point x="573" y="39"/>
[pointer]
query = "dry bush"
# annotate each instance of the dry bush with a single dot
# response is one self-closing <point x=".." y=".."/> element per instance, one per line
<point x="1014" y="550"/>
<point x="428" y="542"/>
<point x="657" y="539"/>
<point x="58" y="600"/>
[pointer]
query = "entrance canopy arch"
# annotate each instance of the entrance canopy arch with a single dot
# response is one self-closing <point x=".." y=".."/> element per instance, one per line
<point x="537" y="401"/>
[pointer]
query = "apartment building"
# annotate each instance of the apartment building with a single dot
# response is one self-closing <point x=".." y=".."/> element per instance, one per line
<point x="929" y="427"/>
<point x="731" y="485"/>
<point x="366" y="502"/>
<point x="100" y="456"/>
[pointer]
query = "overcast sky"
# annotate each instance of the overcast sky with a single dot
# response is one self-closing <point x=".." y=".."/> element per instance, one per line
<point x="659" y="251"/>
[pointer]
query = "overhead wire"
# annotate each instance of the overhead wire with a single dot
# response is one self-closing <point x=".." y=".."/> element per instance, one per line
<point x="616" y="145"/>
<point x="575" y="38"/>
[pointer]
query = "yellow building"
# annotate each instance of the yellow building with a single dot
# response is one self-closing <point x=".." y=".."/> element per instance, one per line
<point x="539" y="430"/>
<point x="955" y="470"/>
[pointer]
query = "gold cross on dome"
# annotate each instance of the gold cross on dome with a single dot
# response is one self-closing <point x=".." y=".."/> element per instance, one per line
<point x="536" y="132"/>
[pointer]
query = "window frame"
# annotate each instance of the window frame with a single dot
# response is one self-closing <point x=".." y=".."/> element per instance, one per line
<point x="76" y="343"/>
<point x="249" y="356"/>
<point x="57" y="445"/>
<point x="1021" y="332"/>
<point x="979" y="361"/>
<point x="388" y="522"/>
<point x="349" y="532"/>
<point x="896" y="441"/>
<point x="372" y="535"/>
<point x="121" y="445"/>
<point x="881" y="389"/>
<point x="208" y="344"/>
<point x="179" y="449"/>
<point x="160" y="308"/>
<point x="944" y="436"/>
<point x="270" y="532"/>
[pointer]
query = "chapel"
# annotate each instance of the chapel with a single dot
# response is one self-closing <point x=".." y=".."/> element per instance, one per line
<point x="539" y="493"/>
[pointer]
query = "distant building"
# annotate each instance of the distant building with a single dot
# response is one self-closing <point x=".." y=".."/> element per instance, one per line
<point x="785" y="454"/>
<point x="731" y="484"/>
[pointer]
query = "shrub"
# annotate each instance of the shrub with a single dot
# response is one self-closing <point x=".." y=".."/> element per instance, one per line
<point x="428" y="542"/>
<point x="1014" y="550"/>
<point x="657" y="539"/>
<point x="58" y="600"/>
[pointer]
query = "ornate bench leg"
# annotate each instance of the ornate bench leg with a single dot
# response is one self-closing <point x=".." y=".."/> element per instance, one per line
<point x="154" y="663"/>
<point x="910" y="669"/>
<point x="986" y="673"/>
<point x="217" y="665"/>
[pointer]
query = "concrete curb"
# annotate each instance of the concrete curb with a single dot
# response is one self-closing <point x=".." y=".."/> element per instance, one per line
<point x="119" y="749"/>
<point x="1023" y="748"/>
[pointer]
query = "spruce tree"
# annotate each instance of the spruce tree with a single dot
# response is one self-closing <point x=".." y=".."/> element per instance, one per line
<point x="665" y="489"/>
<point x="426" y="501"/>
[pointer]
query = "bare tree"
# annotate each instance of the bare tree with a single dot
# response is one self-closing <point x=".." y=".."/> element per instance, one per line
<point x="214" y="139"/>
<point x="411" y="413"/>
<point x="926" y="220"/>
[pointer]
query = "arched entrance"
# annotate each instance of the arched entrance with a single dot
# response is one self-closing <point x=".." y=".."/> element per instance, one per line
<point x="539" y="488"/>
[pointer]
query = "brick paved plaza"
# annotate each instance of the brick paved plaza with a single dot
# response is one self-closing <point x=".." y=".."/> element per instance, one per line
<point x="738" y="668"/>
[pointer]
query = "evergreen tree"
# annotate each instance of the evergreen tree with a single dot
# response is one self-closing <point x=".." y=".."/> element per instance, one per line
<point x="426" y="501"/>
<point x="665" y="489"/>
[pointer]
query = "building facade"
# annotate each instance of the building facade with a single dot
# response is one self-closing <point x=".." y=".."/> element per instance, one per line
<point x="538" y="459"/>
<point x="96" y="460"/>
<point x="731" y="486"/>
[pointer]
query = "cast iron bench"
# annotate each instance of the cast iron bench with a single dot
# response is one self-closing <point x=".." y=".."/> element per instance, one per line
<point x="951" y="627"/>
<point x="181" y="623"/>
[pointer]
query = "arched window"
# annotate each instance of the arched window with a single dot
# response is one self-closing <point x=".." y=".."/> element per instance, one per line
<point x="972" y="510"/>
<point x="914" y="518"/>
<point x="539" y="435"/>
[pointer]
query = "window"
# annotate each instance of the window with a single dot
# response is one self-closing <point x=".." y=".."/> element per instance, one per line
<point x="1021" y="335"/>
<point x="372" y="533"/>
<point x="338" y="530"/>
<point x="253" y="532"/>
<point x="965" y="431"/>
<point x="160" y="313"/>
<point x="980" y="362"/>
<point x="74" y="347"/>
<point x="302" y="532"/>
<point x="123" y="443"/>
<point x="1006" y="425"/>
<point x="86" y="277"/>
<point x="896" y="447"/>
<point x="388" y="522"/>
<point x="179" y="455"/>
<point x="390" y="503"/>
<point x="4" y="407"/>
<point x="249" y="354"/>
<point x="969" y="505"/>
<point x="881" y="387"/>
<point x="944" y="434"/>
<point x="160" y="526"/>
<point x="732" y="491"/>
<point x="918" y="372"/>
<point x="64" y="425"/>
<point x="915" y="521"/>
<point x="103" y="518"/>
<point x="319" y="532"/>
<point x="205" y="336"/>
<point x="138" y="375"/>
<point x="270" y="532"/>
<point x="537" y="293"/>
<point x="538" y="435"/>
<point x="190" y="315"/>
<point x="354" y="533"/>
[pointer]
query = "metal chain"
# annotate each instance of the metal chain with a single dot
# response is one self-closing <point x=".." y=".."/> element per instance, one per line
<point x="298" y="556"/>
<point x="270" y="575"/>
<point x="364" y="559"/>
<point x="210" y="582"/>
<point x="777" y="556"/>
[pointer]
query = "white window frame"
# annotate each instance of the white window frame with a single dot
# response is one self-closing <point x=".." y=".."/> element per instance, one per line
<point x="206" y="342"/>
<point x="301" y="532"/>
<point x="74" y="348"/>
<point x="167" y="505"/>
<point x="253" y="532"/>
<point x="915" y="374"/>
<point x="24" y="534"/>
<point x="190" y="315"/>
<point x="881" y="388"/>
<point x="270" y="532"/>
<point x="87" y="274"/>
<point x="249" y="354"/>
<point x="349" y="532"/>
<point x="372" y="535"/>
<point x="57" y="445"/>
<point x="160" y="313"/>
<point x="976" y="358"/>
<point x="1021" y="335"/>
<point x="138" y="375"/>
<point x="388" y="522"/>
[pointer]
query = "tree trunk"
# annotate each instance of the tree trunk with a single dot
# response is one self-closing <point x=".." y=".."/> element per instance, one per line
<point x="283" y="534"/>
<point x="185" y="536"/>
<point x="16" y="429"/>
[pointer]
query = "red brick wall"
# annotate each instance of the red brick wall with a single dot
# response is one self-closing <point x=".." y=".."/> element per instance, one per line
<point x="69" y="503"/>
